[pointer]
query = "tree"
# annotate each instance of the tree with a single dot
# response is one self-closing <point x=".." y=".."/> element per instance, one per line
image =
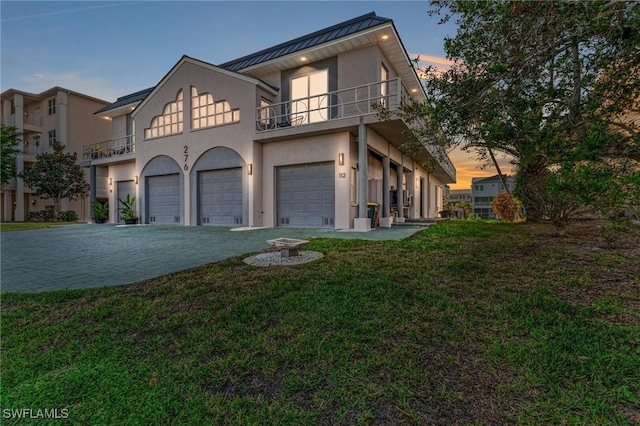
<point x="9" y="140"/>
<point x="550" y="84"/>
<point x="57" y="175"/>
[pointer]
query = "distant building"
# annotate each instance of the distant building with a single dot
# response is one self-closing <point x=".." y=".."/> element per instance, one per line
<point x="57" y="114"/>
<point x="460" y="195"/>
<point x="484" y="190"/>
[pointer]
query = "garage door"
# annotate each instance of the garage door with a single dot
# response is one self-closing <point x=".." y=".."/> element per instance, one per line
<point x="220" y="197"/>
<point x="306" y="195"/>
<point x="163" y="194"/>
<point x="124" y="187"/>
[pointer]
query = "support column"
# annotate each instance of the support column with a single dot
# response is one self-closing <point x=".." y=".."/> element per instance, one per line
<point x="362" y="222"/>
<point x="92" y="191"/>
<point x="62" y="135"/>
<point x="386" y="220"/>
<point x="400" y="172"/>
<point x="18" y="103"/>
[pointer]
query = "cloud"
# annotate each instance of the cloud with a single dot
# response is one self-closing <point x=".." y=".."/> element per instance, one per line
<point x="439" y="63"/>
<point x="62" y="12"/>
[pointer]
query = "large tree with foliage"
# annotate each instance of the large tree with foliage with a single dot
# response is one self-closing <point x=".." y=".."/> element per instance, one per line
<point x="9" y="141"/>
<point x="553" y="85"/>
<point x="57" y="175"/>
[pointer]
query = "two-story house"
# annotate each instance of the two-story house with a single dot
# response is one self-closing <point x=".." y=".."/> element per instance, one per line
<point x="56" y="114"/>
<point x="288" y="136"/>
<point x="484" y="190"/>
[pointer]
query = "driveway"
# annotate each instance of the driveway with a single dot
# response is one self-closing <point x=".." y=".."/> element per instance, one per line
<point x="87" y="256"/>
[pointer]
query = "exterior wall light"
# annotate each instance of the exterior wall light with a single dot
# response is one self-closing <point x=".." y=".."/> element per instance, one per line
<point x="136" y="179"/>
<point x="110" y="181"/>
<point x="250" y="169"/>
<point x="341" y="158"/>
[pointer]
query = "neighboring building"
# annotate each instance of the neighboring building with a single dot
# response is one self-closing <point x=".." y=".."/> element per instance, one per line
<point x="456" y="199"/>
<point x="484" y="190"/>
<point x="56" y="114"/>
<point x="288" y="136"/>
<point x="457" y="196"/>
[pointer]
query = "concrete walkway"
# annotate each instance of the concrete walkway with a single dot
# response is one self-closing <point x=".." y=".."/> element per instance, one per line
<point x="88" y="256"/>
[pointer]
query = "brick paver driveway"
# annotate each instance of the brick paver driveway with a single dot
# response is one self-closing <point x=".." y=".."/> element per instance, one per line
<point x="86" y="256"/>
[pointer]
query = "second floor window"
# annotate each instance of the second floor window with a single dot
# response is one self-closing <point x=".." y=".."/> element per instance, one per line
<point x="169" y="122"/>
<point x="207" y="112"/>
<point x="51" y="104"/>
<point x="310" y="97"/>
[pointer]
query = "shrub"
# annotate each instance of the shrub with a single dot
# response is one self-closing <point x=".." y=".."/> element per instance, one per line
<point x="506" y="207"/>
<point x="473" y="216"/>
<point x="40" y="216"/>
<point x="68" y="216"/>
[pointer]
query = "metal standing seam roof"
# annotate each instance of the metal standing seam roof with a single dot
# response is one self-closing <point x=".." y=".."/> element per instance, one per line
<point x="325" y="35"/>
<point x="127" y="99"/>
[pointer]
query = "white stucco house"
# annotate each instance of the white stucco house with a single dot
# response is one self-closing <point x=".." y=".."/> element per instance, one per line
<point x="285" y="137"/>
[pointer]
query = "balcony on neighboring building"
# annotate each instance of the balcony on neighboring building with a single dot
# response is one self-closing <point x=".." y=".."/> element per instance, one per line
<point x="114" y="149"/>
<point x="376" y="101"/>
<point x="30" y="121"/>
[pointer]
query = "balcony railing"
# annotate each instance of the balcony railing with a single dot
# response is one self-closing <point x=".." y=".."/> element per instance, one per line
<point x="368" y="99"/>
<point x="437" y="152"/>
<point x="347" y="103"/>
<point x="109" y="149"/>
<point x="31" y="119"/>
<point x="32" y="149"/>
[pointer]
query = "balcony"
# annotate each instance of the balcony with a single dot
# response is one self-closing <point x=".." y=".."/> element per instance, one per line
<point x="354" y="102"/>
<point x="29" y="119"/>
<point x="109" y="149"/>
<point x="366" y="100"/>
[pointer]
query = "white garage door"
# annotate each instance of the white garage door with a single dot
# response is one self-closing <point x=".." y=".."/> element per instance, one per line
<point x="220" y="197"/>
<point x="163" y="194"/>
<point x="306" y="195"/>
<point x="124" y="187"/>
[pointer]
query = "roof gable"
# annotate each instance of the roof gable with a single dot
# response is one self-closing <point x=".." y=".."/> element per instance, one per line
<point x="187" y="59"/>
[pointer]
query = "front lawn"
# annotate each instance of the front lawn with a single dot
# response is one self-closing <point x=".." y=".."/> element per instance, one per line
<point x="463" y="323"/>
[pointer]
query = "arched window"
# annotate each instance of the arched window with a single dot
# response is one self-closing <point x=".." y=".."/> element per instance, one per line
<point x="170" y="122"/>
<point x="205" y="112"/>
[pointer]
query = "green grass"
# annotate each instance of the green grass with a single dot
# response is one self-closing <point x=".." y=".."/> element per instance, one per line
<point x="464" y="323"/>
<point x="25" y="226"/>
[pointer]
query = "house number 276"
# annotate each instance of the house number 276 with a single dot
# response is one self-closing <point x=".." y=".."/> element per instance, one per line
<point x="186" y="156"/>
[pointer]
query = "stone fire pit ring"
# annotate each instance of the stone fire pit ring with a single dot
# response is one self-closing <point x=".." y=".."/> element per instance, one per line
<point x="289" y="254"/>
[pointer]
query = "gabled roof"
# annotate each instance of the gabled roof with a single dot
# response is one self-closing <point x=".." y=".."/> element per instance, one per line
<point x="126" y="100"/>
<point x="209" y="66"/>
<point x="325" y="35"/>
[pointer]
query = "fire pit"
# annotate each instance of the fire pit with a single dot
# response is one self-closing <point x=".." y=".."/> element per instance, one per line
<point x="289" y="247"/>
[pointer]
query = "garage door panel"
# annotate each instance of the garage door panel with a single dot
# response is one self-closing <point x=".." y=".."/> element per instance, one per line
<point x="220" y="197"/>
<point x="163" y="194"/>
<point x="306" y="195"/>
